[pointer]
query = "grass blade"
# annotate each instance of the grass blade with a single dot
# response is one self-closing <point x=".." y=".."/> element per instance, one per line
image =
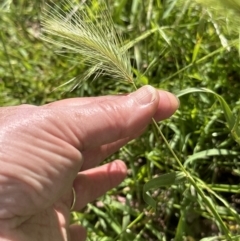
<point x="232" y="121"/>
<point x="164" y="180"/>
<point x="208" y="153"/>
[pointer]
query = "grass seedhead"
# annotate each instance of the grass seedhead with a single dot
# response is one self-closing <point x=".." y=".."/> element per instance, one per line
<point x="89" y="32"/>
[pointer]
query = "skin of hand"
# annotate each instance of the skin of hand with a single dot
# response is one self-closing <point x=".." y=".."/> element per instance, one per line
<point x="45" y="150"/>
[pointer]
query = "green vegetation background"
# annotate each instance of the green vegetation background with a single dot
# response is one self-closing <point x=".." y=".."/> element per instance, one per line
<point x="188" y="49"/>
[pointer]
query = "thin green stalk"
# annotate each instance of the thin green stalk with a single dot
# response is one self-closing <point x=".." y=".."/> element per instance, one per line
<point x="191" y="179"/>
<point x="136" y="220"/>
<point x="7" y="56"/>
<point x="234" y="42"/>
<point x="225" y="188"/>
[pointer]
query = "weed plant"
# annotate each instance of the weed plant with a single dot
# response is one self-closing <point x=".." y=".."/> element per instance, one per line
<point x="181" y="47"/>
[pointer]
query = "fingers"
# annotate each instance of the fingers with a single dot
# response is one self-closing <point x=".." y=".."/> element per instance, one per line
<point x="108" y="121"/>
<point x="97" y="124"/>
<point x="93" y="183"/>
<point x="94" y="157"/>
<point x="82" y="101"/>
<point x="77" y="233"/>
<point x="167" y="106"/>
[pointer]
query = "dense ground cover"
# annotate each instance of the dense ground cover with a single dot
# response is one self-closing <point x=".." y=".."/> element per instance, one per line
<point x="187" y="48"/>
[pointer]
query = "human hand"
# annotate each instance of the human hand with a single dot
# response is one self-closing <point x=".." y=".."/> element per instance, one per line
<point x="46" y="150"/>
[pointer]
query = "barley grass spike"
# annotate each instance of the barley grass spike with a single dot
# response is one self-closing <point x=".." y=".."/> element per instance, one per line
<point x="88" y="31"/>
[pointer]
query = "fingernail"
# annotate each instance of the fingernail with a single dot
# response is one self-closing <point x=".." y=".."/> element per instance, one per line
<point x="145" y="95"/>
<point x="178" y="100"/>
<point x="175" y="102"/>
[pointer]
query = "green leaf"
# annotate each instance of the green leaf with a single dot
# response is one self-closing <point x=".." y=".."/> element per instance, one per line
<point x="210" y="238"/>
<point x="208" y="153"/>
<point x="164" y="180"/>
<point x="199" y="39"/>
<point x="133" y="42"/>
<point x="232" y="121"/>
<point x="180" y="229"/>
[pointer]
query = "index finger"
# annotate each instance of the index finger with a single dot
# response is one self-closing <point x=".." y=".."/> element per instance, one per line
<point x="101" y="123"/>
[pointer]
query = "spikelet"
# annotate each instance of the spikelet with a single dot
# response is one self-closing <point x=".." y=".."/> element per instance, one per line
<point x="76" y="28"/>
